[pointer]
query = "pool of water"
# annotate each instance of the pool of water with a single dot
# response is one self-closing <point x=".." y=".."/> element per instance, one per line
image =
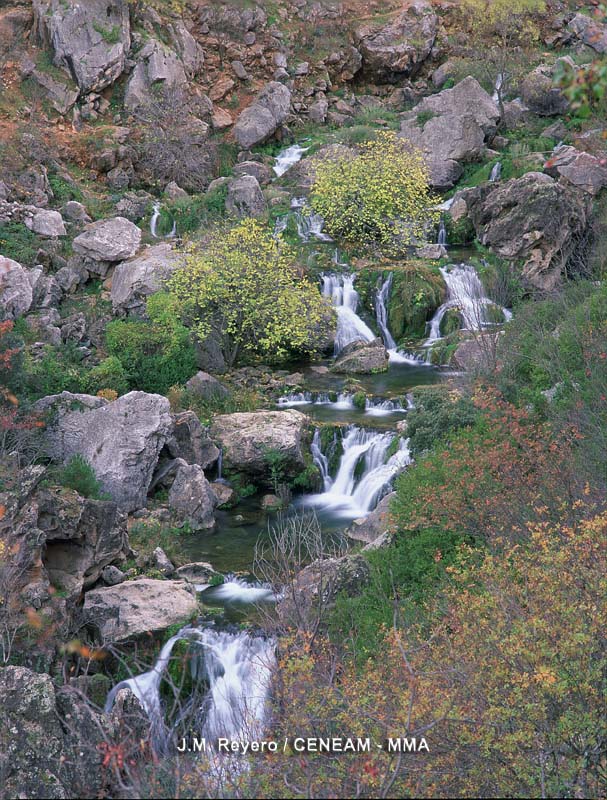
<point x="398" y="380"/>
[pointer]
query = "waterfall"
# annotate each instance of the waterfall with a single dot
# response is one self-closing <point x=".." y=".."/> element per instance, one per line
<point x="351" y="495"/>
<point x="287" y="158"/>
<point x="237" y="590"/>
<point x="499" y="82"/>
<point x="321" y="461"/>
<point x="238" y="668"/>
<point x="154" y="224"/>
<point x="350" y="327"/>
<point x="374" y="406"/>
<point x="442" y="233"/>
<point x="280" y="225"/>
<point x="310" y="224"/>
<point x="381" y="313"/>
<point x="496" y="172"/>
<point x="465" y="293"/>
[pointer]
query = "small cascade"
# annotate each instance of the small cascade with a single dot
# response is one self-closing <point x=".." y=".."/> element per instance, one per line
<point x="154" y="224"/>
<point x="364" y="474"/>
<point x="238" y="668"/>
<point x="309" y="223"/>
<point x="287" y="158"/>
<point x="376" y="407"/>
<point x="280" y="225"/>
<point x="235" y="590"/>
<point x="395" y="355"/>
<point x="442" y="233"/>
<point x="496" y="172"/>
<point x="321" y="461"/>
<point x="499" y="82"/>
<point x="465" y="293"/>
<point x="350" y="327"/>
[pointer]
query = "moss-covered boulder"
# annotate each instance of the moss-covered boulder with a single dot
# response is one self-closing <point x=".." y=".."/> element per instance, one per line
<point x="417" y="291"/>
<point x="451" y="322"/>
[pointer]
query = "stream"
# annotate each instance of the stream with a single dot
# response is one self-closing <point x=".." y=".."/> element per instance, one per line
<point x="360" y="453"/>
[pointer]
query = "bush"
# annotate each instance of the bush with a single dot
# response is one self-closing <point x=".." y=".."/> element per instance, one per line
<point x="437" y="414"/>
<point x="79" y="476"/>
<point x="19" y="243"/>
<point x="59" y="370"/>
<point x="378" y="197"/>
<point x="154" y="355"/>
<point x="109" y="374"/>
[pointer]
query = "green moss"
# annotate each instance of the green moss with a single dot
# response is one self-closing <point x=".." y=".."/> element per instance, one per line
<point x="451" y="322"/>
<point x="417" y="291"/>
<point x="360" y="401"/>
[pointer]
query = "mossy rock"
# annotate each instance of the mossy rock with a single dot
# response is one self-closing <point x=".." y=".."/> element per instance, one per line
<point x="451" y="322"/>
<point x="417" y="291"/>
<point x="360" y="401"/>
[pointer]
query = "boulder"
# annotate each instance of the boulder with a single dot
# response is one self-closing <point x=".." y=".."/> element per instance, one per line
<point x="61" y="96"/>
<point x="477" y="354"/>
<point x="198" y="572"/>
<point x="590" y="32"/>
<point x="541" y="95"/>
<point x="158" y="68"/>
<point x="246" y="439"/>
<point x="370" y="528"/>
<point x="121" y="440"/>
<point x="579" y="169"/>
<point x="261" y="119"/>
<point x="206" y="387"/>
<point x="397" y="49"/>
<point x="245" y="198"/>
<point x="108" y="240"/>
<point x="46" y="223"/>
<point x="192" y="498"/>
<point x="135" y="280"/>
<point x="162" y="562"/>
<point x="262" y="173"/>
<point x="191" y="442"/>
<point x="16" y="294"/>
<point x="137" y="607"/>
<point x="221" y="119"/>
<point x="226" y="496"/>
<point x="534" y="219"/>
<point x="362" y="358"/>
<point x="89" y="40"/>
<point x="450" y="128"/>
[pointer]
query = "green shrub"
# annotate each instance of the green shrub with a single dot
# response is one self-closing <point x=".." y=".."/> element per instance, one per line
<point x="64" y="190"/>
<point x="436" y="415"/>
<point x="58" y="370"/>
<point x="79" y="476"/>
<point x="109" y="374"/>
<point x="19" y="243"/>
<point x="192" y="213"/>
<point x="155" y="355"/>
<point x="360" y="401"/>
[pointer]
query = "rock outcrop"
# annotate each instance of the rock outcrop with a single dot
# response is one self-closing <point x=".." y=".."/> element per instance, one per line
<point x="135" y="280"/>
<point x="16" y="295"/>
<point x="121" y="440"/>
<point x="451" y="128"/>
<point x="535" y="219"/>
<point x="397" y="49"/>
<point x="90" y="40"/>
<point x="264" y="116"/>
<point x="245" y="198"/>
<point x="249" y="439"/>
<point x="108" y="240"/>
<point x="576" y="168"/>
<point x="137" y="607"/>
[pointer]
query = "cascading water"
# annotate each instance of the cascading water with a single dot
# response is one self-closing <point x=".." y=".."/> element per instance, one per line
<point x="309" y="223"/>
<point x="237" y="590"/>
<point x="442" y="233"/>
<point x="350" y="327"/>
<point x="350" y="495"/>
<point x="381" y="313"/>
<point x="465" y="293"/>
<point x="154" y="224"/>
<point x="287" y="158"/>
<point x="321" y="461"/>
<point x="342" y="402"/>
<point x="496" y="172"/>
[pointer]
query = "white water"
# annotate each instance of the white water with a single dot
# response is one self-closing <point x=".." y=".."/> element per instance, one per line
<point x="350" y="327"/>
<point x="309" y="223"/>
<point x="381" y="314"/>
<point x="350" y="497"/>
<point x="287" y="158"/>
<point x="154" y="224"/>
<point x="344" y="402"/>
<point x="496" y="172"/>
<point x="465" y="293"/>
<point x="442" y="233"/>
<point x="237" y="590"/>
<point x="321" y="461"/>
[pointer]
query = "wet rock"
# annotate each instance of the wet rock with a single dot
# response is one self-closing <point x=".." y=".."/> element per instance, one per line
<point x="198" y="572"/>
<point x="138" y="607"/>
<point x="226" y="496"/>
<point x="374" y="525"/>
<point x="362" y="358"/>
<point x="261" y="119"/>
<point x="247" y="438"/>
